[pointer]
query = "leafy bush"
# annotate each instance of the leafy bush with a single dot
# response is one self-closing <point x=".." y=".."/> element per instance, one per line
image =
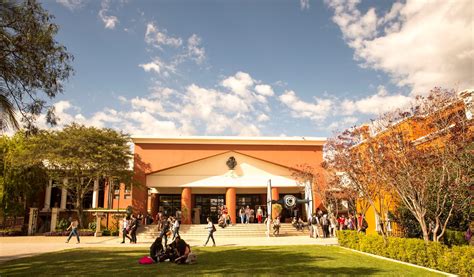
<point x="10" y="232"/>
<point x="458" y="259"/>
<point x="62" y="224"/>
<point x="106" y="233"/>
<point x="451" y="238"/>
<point x="92" y="226"/>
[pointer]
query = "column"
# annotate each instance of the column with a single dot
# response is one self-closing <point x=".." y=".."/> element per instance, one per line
<point x="63" y="195"/>
<point x="275" y="196"/>
<point x="54" y="219"/>
<point x="47" y="196"/>
<point x="230" y="202"/>
<point x="95" y="194"/>
<point x="186" y="206"/>
<point x="154" y="204"/>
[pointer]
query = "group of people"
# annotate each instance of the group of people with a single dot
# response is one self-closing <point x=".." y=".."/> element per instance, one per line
<point x="178" y="251"/>
<point x="352" y="223"/>
<point x="168" y="226"/>
<point x="329" y="224"/>
<point x="129" y="228"/>
<point x="247" y="215"/>
<point x="224" y="218"/>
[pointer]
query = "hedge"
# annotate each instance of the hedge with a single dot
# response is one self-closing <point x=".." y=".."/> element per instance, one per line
<point x="457" y="259"/>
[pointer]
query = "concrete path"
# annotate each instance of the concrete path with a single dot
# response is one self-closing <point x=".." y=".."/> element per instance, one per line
<point x="19" y="247"/>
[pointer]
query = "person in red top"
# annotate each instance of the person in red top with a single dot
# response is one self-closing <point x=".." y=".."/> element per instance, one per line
<point x="341" y="221"/>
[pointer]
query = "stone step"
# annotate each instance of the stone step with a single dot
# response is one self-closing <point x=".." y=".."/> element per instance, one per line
<point x="238" y="230"/>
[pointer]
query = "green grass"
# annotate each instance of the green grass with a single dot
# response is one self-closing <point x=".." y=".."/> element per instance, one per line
<point x="274" y="260"/>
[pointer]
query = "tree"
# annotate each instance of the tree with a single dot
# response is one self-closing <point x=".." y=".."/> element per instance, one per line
<point x="82" y="154"/>
<point x="351" y="154"/>
<point x="20" y="176"/>
<point x="421" y="155"/>
<point x="432" y="173"/>
<point x="31" y="62"/>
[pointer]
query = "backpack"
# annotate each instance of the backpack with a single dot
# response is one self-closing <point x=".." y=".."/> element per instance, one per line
<point x="146" y="260"/>
<point x="314" y="220"/>
<point x="213" y="228"/>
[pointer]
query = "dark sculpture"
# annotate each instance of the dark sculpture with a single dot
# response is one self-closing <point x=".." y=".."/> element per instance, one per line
<point x="231" y="163"/>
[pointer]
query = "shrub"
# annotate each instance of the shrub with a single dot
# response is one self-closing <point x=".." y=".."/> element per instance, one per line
<point x="92" y="226"/>
<point x="62" y="224"/>
<point x="451" y="238"/>
<point x="458" y="259"/>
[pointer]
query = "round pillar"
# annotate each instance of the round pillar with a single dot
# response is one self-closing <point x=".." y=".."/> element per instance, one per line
<point x="230" y="202"/>
<point x="275" y="196"/>
<point x="186" y="206"/>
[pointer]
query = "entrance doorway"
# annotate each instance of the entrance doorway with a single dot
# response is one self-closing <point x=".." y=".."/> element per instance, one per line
<point x="169" y="204"/>
<point x="253" y="201"/>
<point x="298" y="211"/>
<point x="209" y="205"/>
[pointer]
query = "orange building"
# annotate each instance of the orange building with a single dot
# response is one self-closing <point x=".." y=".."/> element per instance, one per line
<point x="190" y="176"/>
<point x="420" y="131"/>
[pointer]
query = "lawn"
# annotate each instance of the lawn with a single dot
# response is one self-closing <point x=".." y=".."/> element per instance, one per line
<point x="275" y="260"/>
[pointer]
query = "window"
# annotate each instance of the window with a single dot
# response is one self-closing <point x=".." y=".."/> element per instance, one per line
<point x="116" y="188"/>
<point x="169" y="204"/>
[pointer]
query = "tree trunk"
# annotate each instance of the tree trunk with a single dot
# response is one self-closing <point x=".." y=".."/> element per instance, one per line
<point x="424" y="229"/>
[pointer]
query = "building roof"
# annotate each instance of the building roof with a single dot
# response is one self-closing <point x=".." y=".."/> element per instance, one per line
<point x="311" y="141"/>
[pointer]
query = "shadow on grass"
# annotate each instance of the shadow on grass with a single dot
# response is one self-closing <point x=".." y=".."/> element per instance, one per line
<point x="211" y="261"/>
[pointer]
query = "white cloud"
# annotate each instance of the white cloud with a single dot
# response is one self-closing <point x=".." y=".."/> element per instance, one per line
<point x="167" y="111"/>
<point x="109" y="20"/>
<point x="239" y="83"/>
<point x="71" y="4"/>
<point x="159" y="67"/>
<point x="420" y="44"/>
<point x="317" y="111"/>
<point x="263" y="117"/>
<point x="195" y="51"/>
<point x="265" y="90"/>
<point x="375" y="104"/>
<point x="156" y="37"/>
<point x="304" y="4"/>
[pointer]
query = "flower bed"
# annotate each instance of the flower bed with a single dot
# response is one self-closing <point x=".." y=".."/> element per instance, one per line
<point x="457" y="259"/>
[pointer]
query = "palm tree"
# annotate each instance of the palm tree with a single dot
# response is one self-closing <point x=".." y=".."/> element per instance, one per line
<point x="7" y="113"/>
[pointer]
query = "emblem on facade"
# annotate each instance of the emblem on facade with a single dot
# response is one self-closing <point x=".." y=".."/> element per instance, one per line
<point x="231" y="163"/>
<point x="290" y="201"/>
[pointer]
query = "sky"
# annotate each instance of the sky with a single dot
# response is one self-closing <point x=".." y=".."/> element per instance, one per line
<point x="255" y="68"/>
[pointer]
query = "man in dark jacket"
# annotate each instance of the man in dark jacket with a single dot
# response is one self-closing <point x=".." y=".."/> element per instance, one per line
<point x="164" y="230"/>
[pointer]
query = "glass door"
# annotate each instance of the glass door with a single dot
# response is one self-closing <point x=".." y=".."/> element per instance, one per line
<point x="210" y="206"/>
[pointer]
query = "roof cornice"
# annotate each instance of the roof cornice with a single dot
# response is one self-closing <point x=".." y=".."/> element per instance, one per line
<point x="224" y="140"/>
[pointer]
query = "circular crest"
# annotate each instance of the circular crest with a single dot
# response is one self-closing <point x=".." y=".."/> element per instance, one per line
<point x="290" y="201"/>
<point x="231" y="163"/>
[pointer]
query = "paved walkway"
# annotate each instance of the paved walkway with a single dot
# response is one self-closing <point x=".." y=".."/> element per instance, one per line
<point x="19" y="247"/>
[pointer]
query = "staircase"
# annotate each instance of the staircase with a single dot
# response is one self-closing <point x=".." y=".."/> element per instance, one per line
<point x="239" y="230"/>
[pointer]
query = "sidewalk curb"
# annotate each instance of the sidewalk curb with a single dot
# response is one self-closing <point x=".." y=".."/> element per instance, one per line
<point x="400" y="262"/>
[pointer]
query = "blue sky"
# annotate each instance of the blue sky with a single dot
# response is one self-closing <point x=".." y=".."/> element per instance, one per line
<point x="268" y="68"/>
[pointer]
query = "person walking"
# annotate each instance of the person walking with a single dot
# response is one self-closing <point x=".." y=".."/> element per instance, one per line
<point x="125" y="229"/>
<point x="164" y="230"/>
<point x="247" y="214"/>
<point x="133" y="229"/>
<point x="242" y="215"/>
<point x="211" y="228"/>
<point x="74" y="231"/>
<point x="259" y="214"/>
<point x="175" y="228"/>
